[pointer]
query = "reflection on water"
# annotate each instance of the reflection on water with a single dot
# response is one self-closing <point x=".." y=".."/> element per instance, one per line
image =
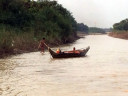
<point x="104" y="72"/>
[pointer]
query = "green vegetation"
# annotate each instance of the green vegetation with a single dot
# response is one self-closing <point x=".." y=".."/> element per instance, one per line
<point x="82" y="27"/>
<point x="24" y="22"/>
<point x="120" y="30"/>
<point x="122" y="25"/>
<point x="96" y="30"/>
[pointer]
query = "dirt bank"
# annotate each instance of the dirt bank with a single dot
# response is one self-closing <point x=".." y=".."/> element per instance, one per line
<point x="122" y="35"/>
<point x="81" y="34"/>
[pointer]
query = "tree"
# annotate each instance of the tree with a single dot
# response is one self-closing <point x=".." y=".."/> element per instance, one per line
<point x="122" y="25"/>
<point x="82" y="27"/>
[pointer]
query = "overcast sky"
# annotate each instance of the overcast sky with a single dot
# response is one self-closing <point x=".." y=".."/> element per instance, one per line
<point x="97" y="13"/>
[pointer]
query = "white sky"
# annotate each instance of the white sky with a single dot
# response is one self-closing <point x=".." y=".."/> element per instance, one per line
<point x="97" y="13"/>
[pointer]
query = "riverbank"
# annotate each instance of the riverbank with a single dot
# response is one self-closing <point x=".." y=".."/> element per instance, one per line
<point x="119" y="34"/>
<point x="81" y="34"/>
<point x="32" y="46"/>
<point x="97" y="33"/>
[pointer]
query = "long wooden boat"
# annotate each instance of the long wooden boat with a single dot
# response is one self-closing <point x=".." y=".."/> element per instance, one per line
<point x="68" y="54"/>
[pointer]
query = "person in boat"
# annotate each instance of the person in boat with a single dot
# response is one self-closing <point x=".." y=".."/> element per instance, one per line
<point x="42" y="45"/>
<point x="74" y="49"/>
<point x="58" y="51"/>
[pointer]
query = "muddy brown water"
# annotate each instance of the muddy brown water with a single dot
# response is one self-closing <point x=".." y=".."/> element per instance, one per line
<point x="103" y="72"/>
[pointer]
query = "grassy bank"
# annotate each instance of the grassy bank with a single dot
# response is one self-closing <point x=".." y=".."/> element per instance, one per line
<point x="25" y="44"/>
<point x="14" y="41"/>
<point x="119" y="34"/>
<point x="23" y="23"/>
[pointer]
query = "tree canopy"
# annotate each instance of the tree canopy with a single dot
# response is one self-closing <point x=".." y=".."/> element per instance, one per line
<point x="43" y="16"/>
<point x="82" y="27"/>
<point x="122" y="25"/>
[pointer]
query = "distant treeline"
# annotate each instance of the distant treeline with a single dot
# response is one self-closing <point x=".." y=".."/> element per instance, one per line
<point x="96" y="30"/>
<point x="24" y="22"/>
<point x="82" y="27"/>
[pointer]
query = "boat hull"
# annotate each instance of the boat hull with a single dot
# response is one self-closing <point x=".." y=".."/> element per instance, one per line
<point x="69" y="54"/>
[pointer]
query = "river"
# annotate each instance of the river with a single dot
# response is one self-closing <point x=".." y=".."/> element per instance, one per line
<point x="103" y="72"/>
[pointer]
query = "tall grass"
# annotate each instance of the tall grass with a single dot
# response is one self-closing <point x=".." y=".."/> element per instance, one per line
<point x="25" y="41"/>
<point x="5" y="41"/>
<point x="119" y="34"/>
<point x="12" y="41"/>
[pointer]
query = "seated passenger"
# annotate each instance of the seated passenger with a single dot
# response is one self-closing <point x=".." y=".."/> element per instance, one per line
<point x="58" y="51"/>
<point x="74" y="49"/>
